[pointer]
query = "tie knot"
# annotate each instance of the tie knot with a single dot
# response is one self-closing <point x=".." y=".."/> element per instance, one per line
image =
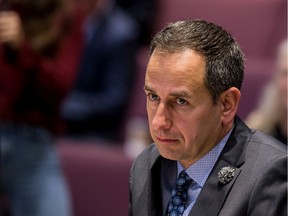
<point x="183" y="181"/>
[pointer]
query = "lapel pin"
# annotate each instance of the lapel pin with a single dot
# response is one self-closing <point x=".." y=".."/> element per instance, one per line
<point x="226" y="174"/>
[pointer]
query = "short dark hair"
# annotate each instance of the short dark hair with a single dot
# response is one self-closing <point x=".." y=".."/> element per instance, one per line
<point x="224" y="58"/>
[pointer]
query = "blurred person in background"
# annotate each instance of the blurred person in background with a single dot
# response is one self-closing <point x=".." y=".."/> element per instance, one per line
<point x="270" y="115"/>
<point x="38" y="56"/>
<point x="144" y="12"/>
<point x="96" y="106"/>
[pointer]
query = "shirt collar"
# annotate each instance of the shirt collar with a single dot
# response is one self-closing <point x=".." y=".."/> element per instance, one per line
<point x="200" y="170"/>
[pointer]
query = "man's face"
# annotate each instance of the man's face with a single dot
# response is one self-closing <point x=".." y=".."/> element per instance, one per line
<point x="184" y="123"/>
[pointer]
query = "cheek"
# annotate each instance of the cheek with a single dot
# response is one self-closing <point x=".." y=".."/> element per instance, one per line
<point x="187" y="128"/>
<point x="150" y="106"/>
<point x="199" y="125"/>
<point x="150" y="112"/>
<point x="150" y="115"/>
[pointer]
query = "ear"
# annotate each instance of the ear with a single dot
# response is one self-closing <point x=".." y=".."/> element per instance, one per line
<point x="229" y="101"/>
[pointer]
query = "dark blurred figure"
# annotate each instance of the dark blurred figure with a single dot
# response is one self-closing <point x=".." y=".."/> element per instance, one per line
<point x="270" y="115"/>
<point x="96" y="106"/>
<point x="38" y="56"/>
<point x="144" y="12"/>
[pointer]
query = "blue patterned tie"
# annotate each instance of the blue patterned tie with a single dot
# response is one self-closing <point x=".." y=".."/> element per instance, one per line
<point x="178" y="201"/>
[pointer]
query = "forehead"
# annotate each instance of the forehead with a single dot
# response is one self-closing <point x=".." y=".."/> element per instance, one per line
<point x="178" y="69"/>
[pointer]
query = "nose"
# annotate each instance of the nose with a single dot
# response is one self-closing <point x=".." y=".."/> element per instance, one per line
<point x="161" y="119"/>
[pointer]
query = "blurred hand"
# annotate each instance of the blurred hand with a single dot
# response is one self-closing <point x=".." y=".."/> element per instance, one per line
<point x="10" y="28"/>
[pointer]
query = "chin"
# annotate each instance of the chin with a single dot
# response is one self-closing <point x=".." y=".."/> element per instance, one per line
<point x="168" y="154"/>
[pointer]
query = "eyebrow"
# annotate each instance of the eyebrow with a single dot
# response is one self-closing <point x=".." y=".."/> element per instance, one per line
<point x="181" y="94"/>
<point x="147" y="88"/>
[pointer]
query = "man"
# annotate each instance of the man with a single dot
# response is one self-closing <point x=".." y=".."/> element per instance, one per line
<point x="193" y="83"/>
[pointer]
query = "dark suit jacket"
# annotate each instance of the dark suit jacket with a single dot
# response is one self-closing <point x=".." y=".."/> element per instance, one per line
<point x="259" y="187"/>
<point x="97" y="104"/>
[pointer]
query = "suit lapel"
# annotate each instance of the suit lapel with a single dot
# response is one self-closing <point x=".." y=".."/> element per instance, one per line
<point x="155" y="191"/>
<point x="168" y="179"/>
<point x="213" y="195"/>
<point x="154" y="185"/>
<point x="162" y="172"/>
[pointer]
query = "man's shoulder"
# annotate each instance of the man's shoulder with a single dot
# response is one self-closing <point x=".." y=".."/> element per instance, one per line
<point x="266" y="142"/>
<point x="256" y="141"/>
<point x="263" y="149"/>
<point x="150" y="153"/>
<point x="148" y="157"/>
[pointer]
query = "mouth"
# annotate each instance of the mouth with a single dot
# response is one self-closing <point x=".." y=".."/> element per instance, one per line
<point x="166" y="140"/>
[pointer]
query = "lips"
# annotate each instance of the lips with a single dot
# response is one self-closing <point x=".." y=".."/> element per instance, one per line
<point x="167" y="140"/>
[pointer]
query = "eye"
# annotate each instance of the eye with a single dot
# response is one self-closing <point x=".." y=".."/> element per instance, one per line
<point x="181" y="101"/>
<point x="153" y="97"/>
